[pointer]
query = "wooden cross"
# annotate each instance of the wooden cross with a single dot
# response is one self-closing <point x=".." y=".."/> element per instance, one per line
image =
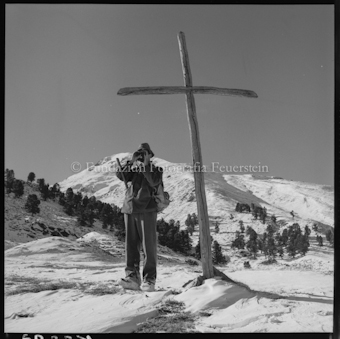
<point x="189" y="90"/>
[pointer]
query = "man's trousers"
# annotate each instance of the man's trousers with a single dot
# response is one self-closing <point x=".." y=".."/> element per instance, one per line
<point x="141" y="231"/>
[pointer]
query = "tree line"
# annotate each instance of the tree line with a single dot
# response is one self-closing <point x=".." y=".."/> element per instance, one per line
<point x="292" y="240"/>
<point x="170" y="235"/>
<point x="258" y="212"/>
<point x="74" y="204"/>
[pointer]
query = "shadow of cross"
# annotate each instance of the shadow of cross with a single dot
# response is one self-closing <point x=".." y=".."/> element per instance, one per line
<point x="189" y="90"/>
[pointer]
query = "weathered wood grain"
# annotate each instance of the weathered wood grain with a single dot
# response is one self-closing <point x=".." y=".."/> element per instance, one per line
<point x="187" y="89"/>
<point x="203" y="218"/>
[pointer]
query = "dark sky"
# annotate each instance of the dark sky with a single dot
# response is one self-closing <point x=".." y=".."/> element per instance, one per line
<point x="65" y="64"/>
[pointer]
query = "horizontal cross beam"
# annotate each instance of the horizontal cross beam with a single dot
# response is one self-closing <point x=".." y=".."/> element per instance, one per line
<point x="185" y="90"/>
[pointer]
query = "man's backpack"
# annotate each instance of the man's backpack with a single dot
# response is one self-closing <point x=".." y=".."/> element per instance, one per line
<point x="162" y="198"/>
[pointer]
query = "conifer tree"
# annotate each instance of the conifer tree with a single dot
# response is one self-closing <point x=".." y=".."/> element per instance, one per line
<point x="284" y="237"/>
<point x="174" y="240"/>
<point x="89" y="214"/>
<point x="198" y="251"/>
<point x="260" y="244"/>
<point x="307" y="231"/>
<point x="69" y="195"/>
<point x="294" y="241"/>
<point x="85" y="201"/>
<point x="302" y="244"/>
<point x="51" y="193"/>
<point x="217" y="256"/>
<point x="99" y="207"/>
<point x="241" y="226"/>
<point x="260" y="212"/>
<point x="55" y="191"/>
<point x="9" y="175"/>
<point x="190" y="229"/>
<point x="180" y="240"/>
<point x="106" y="215"/>
<point x="77" y="198"/>
<point x="330" y="236"/>
<point x="194" y="219"/>
<point x="45" y="192"/>
<point x="119" y="231"/>
<point x="320" y="240"/>
<point x="238" y="242"/>
<point x="270" y="230"/>
<point x="9" y="180"/>
<point x="163" y="229"/>
<point x="280" y="251"/>
<point x="41" y="184"/>
<point x="31" y="177"/>
<point x="263" y="216"/>
<point x="118" y="218"/>
<point x="278" y="239"/>
<point x="95" y="210"/>
<point x="118" y="222"/>
<point x="189" y="221"/>
<point x="62" y="199"/>
<point x="81" y="216"/>
<point x="291" y="247"/>
<point x="291" y="231"/>
<point x="185" y="242"/>
<point x="32" y="204"/>
<point x="252" y="243"/>
<point x="170" y="239"/>
<point x="271" y="248"/>
<point x="18" y="188"/>
<point x="279" y="244"/>
<point x="217" y="227"/>
<point x="68" y="208"/>
<point x="93" y="200"/>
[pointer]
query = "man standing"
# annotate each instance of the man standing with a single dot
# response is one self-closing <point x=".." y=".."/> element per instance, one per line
<point x="140" y="217"/>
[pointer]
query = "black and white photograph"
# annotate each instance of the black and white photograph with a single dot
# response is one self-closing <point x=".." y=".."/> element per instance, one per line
<point x="168" y="169"/>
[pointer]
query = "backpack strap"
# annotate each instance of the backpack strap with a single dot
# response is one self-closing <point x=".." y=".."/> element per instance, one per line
<point x="134" y="179"/>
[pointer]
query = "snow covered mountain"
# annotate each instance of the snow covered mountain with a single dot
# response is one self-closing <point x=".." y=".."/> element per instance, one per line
<point x="310" y="202"/>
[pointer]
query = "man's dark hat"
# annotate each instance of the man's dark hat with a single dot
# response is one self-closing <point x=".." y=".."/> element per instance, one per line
<point x="146" y="146"/>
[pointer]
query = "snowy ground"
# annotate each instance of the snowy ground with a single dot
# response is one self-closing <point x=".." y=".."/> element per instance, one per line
<point x="290" y="296"/>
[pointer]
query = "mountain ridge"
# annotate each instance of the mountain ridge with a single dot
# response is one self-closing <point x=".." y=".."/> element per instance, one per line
<point x="312" y="202"/>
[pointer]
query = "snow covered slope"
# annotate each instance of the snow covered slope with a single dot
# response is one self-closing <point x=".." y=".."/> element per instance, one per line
<point x="311" y="202"/>
<point x="58" y="285"/>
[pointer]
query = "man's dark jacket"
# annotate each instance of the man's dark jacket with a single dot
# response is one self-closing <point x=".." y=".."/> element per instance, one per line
<point x="144" y="180"/>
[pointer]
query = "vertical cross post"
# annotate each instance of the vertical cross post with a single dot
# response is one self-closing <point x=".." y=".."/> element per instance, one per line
<point x="202" y="209"/>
